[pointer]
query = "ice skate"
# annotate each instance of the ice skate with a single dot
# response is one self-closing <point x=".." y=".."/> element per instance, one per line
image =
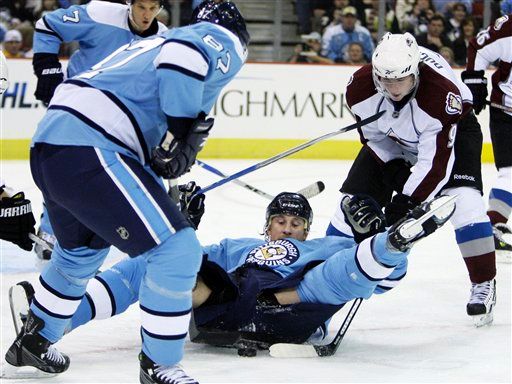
<point x="20" y="297"/>
<point x="32" y="349"/>
<point x="481" y="302"/>
<point x="502" y="242"/>
<point x="151" y="373"/>
<point x="421" y="222"/>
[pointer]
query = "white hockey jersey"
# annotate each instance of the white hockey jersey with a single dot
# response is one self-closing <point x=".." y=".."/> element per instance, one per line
<point x="495" y="43"/>
<point x="423" y="131"/>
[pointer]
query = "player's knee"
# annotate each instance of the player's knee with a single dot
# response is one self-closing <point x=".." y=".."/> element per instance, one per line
<point x="470" y="207"/>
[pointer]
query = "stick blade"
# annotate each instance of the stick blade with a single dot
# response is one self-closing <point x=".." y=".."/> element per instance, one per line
<point x="312" y="190"/>
<point x="287" y="350"/>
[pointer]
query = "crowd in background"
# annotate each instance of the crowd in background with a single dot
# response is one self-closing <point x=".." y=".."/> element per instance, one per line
<point x="332" y="31"/>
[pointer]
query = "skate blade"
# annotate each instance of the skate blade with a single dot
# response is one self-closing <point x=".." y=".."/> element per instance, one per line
<point x="19" y="373"/>
<point x="19" y="306"/>
<point x="482" y="320"/>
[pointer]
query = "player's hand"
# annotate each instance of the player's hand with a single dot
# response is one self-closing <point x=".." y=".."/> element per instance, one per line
<point x="49" y="75"/>
<point x="364" y="215"/>
<point x="17" y="220"/>
<point x="192" y="205"/>
<point x="181" y="154"/>
<point x="400" y="206"/>
<point x="477" y="84"/>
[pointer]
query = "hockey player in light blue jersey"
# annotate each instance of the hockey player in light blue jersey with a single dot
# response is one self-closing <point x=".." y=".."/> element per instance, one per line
<point x="97" y="155"/>
<point x="283" y="288"/>
<point x="100" y="28"/>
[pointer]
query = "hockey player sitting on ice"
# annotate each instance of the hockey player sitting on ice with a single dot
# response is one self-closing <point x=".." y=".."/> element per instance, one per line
<point x="98" y="156"/>
<point x="491" y="45"/>
<point x="283" y="288"/>
<point x="429" y="124"/>
<point x="99" y="27"/>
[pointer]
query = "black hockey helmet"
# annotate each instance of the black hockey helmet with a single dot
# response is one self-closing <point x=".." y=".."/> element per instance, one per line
<point x="290" y="203"/>
<point x="225" y="14"/>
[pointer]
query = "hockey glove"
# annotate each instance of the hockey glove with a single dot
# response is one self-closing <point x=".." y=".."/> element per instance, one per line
<point x="364" y="215"/>
<point x="477" y="84"/>
<point x="175" y="156"/>
<point x="399" y="207"/>
<point x="49" y="75"/>
<point x="191" y="205"/>
<point x="395" y="173"/>
<point x="17" y="220"/>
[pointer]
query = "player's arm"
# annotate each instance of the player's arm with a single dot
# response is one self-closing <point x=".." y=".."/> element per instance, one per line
<point x="182" y="69"/>
<point x="59" y="26"/>
<point x="488" y="46"/>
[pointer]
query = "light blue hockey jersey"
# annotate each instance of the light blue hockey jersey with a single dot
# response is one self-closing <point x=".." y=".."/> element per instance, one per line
<point x="289" y="255"/>
<point x="122" y="103"/>
<point x="99" y="27"/>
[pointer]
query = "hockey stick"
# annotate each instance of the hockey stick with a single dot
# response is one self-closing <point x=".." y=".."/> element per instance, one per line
<point x="43" y="243"/>
<point x="499" y="106"/>
<point x="309" y="350"/>
<point x="308" y="192"/>
<point x="291" y="151"/>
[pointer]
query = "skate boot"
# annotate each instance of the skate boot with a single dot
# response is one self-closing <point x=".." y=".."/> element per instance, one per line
<point x="32" y="349"/>
<point x="481" y="302"/>
<point x="151" y="373"/>
<point x="41" y="251"/>
<point x="502" y="242"/>
<point x="420" y="222"/>
<point x="20" y="297"/>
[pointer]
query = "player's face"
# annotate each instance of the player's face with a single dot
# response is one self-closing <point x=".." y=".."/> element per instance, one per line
<point x="398" y="88"/>
<point x="143" y="12"/>
<point x="283" y="226"/>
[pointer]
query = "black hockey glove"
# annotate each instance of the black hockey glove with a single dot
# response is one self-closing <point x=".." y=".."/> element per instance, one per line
<point x="477" y="84"/>
<point x="400" y="206"/>
<point x="49" y="75"/>
<point x="364" y="215"/>
<point x="174" y="156"/>
<point x="17" y="220"/>
<point x="395" y="173"/>
<point x="191" y="205"/>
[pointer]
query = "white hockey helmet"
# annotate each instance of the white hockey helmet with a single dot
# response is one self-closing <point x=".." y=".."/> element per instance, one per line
<point x="396" y="56"/>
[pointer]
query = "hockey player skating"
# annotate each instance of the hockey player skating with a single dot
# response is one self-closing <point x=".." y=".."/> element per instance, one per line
<point x="428" y="124"/>
<point x="97" y="155"/>
<point x="99" y="27"/>
<point x="284" y="288"/>
<point x="491" y="45"/>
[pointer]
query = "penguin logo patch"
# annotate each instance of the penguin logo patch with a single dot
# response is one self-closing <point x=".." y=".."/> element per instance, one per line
<point x="274" y="254"/>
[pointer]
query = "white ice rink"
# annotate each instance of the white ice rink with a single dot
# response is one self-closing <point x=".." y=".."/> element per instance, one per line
<point x="418" y="332"/>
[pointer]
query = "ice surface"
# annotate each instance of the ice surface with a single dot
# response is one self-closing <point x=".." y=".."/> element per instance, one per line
<point x="418" y="332"/>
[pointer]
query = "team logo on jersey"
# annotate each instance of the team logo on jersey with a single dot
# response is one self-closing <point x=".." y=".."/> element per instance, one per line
<point x="499" y="22"/>
<point x="274" y="254"/>
<point x="123" y="233"/>
<point x="453" y="104"/>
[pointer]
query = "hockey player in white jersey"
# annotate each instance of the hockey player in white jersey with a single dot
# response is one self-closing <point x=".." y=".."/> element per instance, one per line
<point x="491" y="45"/>
<point x="428" y="124"/>
<point x="97" y="155"/>
<point x="99" y="27"/>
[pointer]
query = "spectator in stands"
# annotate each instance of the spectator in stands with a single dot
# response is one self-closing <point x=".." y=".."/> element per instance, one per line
<point x="454" y="24"/>
<point x="12" y="44"/>
<point x="47" y="6"/>
<point x="416" y="20"/>
<point x="27" y="33"/>
<point x="460" y="45"/>
<point x="350" y="32"/>
<point x="309" y="51"/>
<point x="434" y="38"/>
<point x="20" y="9"/>
<point x="355" y="54"/>
<point x="445" y="6"/>
<point x="448" y="55"/>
